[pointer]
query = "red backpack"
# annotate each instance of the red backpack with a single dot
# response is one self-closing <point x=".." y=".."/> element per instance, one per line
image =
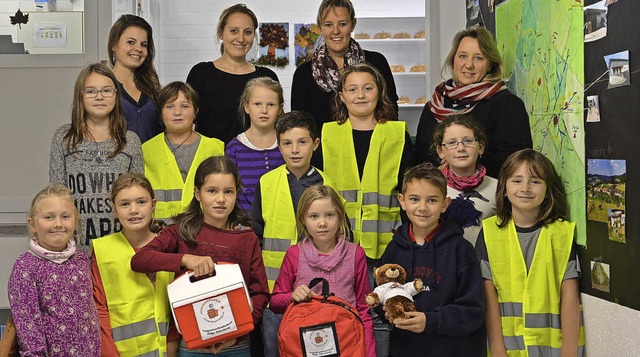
<point x="325" y="326"/>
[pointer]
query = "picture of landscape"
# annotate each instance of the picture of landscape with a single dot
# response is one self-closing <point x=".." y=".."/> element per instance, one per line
<point x="606" y="187"/>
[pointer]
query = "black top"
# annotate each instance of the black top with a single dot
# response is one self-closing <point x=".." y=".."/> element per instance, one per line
<point x="219" y="94"/>
<point x="505" y="121"/>
<point x="307" y="96"/>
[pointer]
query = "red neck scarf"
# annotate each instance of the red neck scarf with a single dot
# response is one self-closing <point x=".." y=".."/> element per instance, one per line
<point x="464" y="183"/>
<point x="448" y="99"/>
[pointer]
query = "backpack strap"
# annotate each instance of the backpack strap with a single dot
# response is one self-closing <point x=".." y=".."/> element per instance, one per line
<point x="325" y="287"/>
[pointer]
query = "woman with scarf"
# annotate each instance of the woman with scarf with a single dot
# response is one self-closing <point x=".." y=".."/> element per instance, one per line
<point x="315" y="82"/>
<point x="476" y="88"/>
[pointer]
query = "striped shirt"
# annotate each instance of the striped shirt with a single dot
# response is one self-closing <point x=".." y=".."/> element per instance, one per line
<point x="252" y="163"/>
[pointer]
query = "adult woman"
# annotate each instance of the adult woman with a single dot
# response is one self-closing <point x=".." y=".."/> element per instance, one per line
<point x="131" y="53"/>
<point x="220" y="83"/>
<point x="315" y="82"/>
<point x="476" y="88"/>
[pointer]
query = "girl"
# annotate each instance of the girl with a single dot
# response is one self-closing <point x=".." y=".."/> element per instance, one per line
<point x="50" y="284"/>
<point x="212" y="229"/>
<point x="171" y="158"/>
<point x="255" y="151"/>
<point x="460" y="141"/>
<point x="366" y="150"/>
<point x="131" y="53"/>
<point x="221" y="82"/>
<point x="528" y="261"/>
<point x="124" y="298"/>
<point x="315" y="82"/>
<point x="89" y="154"/>
<point x="324" y="252"/>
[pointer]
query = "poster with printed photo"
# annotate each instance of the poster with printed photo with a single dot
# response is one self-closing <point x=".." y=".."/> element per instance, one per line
<point x="606" y="187"/>
<point x="274" y="44"/>
<point x="600" y="276"/>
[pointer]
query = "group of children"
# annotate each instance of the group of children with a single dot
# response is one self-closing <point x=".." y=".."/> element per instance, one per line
<point x="520" y="288"/>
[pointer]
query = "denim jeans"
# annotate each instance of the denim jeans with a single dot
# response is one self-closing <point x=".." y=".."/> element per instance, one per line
<point x="245" y="352"/>
<point x="381" y="330"/>
<point x="270" y="325"/>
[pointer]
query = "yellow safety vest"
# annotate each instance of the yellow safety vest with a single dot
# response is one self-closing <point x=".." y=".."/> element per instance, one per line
<point x="139" y="311"/>
<point x="530" y="303"/>
<point x="372" y="203"/>
<point x="280" y="230"/>
<point x="173" y="195"/>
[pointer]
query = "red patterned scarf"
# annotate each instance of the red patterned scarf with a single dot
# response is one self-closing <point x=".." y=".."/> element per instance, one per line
<point x="448" y="99"/>
<point x="464" y="183"/>
<point x="324" y="69"/>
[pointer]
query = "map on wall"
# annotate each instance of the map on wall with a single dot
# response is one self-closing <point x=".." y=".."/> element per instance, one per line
<point x="543" y="53"/>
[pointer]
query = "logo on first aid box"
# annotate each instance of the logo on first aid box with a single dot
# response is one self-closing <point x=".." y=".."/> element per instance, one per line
<point x="214" y="317"/>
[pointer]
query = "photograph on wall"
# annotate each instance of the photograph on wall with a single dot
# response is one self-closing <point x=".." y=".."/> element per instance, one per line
<point x="615" y="225"/>
<point x="306" y="39"/>
<point x="593" y="109"/>
<point x="595" y="21"/>
<point x="618" y="65"/>
<point x="274" y="44"/>
<point x="600" y="276"/>
<point x="609" y="2"/>
<point x="606" y="187"/>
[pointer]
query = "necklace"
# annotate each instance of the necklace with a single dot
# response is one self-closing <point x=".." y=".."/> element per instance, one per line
<point x="174" y="149"/>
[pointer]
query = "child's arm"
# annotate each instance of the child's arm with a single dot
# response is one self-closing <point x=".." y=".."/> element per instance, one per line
<point x="161" y="254"/>
<point x="494" y="320"/>
<point x="257" y="221"/>
<point x="283" y="288"/>
<point x="107" y="345"/>
<point x="362" y="288"/>
<point x="258" y="285"/>
<point x="26" y="312"/>
<point x="570" y="317"/>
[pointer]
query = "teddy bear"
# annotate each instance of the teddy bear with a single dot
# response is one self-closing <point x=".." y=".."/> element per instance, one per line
<point x="393" y="292"/>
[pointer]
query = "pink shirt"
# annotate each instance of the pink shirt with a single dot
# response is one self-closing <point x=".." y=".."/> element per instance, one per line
<point x="284" y="286"/>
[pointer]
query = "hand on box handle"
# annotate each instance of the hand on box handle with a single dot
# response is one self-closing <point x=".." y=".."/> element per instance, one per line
<point x="201" y="265"/>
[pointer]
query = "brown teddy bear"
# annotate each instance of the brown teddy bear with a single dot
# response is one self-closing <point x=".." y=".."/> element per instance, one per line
<point x="393" y="292"/>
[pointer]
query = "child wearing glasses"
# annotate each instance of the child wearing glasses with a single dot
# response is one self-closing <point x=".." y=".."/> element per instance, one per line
<point x="459" y="141"/>
<point x="89" y="154"/>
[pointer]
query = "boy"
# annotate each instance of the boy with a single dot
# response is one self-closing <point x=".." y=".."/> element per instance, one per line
<point x="276" y="201"/>
<point x="450" y="309"/>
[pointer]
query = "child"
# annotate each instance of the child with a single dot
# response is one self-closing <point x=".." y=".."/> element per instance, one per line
<point x="528" y="261"/>
<point x="276" y="200"/>
<point x="131" y="52"/>
<point x="171" y="158"/>
<point x="125" y="298"/>
<point x="212" y="229"/>
<point x="366" y="150"/>
<point x="450" y="311"/>
<point x="50" y="284"/>
<point x="324" y="252"/>
<point x="89" y="154"/>
<point x="255" y="151"/>
<point x="472" y="191"/>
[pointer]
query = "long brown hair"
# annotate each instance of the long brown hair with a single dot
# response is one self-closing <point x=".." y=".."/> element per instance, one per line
<point x="224" y="18"/>
<point x="384" y="110"/>
<point x="79" y="131"/>
<point x="128" y="180"/>
<point x="553" y="208"/>
<point x="191" y="221"/>
<point x="318" y="192"/>
<point x="145" y="76"/>
<point x="487" y="47"/>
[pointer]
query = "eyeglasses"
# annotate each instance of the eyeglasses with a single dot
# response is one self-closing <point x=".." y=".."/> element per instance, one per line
<point x="453" y="144"/>
<point x="107" y="92"/>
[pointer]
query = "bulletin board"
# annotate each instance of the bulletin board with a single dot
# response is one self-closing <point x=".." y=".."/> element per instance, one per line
<point x="611" y="260"/>
<point x="53" y="32"/>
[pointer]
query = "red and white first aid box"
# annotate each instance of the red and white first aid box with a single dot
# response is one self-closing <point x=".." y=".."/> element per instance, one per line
<point x="211" y="310"/>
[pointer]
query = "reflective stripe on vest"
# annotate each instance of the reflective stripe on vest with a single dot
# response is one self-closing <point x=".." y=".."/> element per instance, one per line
<point x="279" y="219"/>
<point x="371" y="202"/>
<point x="173" y="194"/>
<point x="139" y="312"/>
<point x="530" y="301"/>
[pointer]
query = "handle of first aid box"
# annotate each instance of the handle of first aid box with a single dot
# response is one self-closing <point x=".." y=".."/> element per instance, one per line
<point x="198" y="297"/>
